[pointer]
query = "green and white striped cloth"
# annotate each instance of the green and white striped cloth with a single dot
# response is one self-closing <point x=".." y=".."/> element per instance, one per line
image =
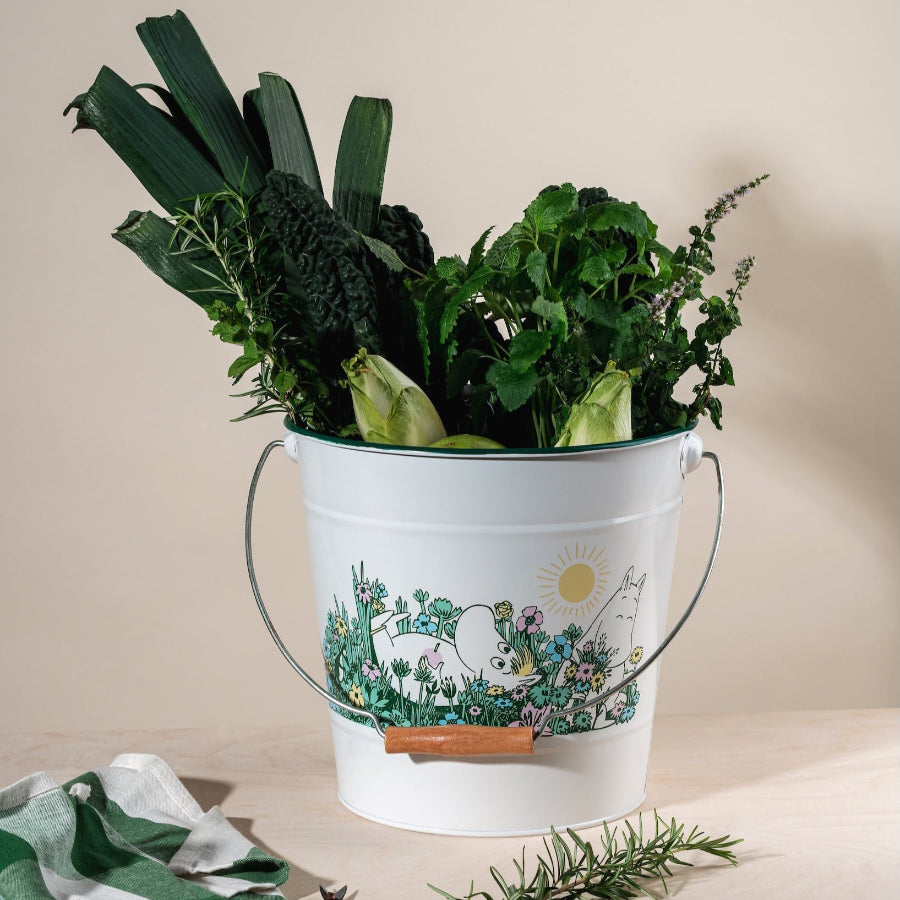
<point x="131" y="830"/>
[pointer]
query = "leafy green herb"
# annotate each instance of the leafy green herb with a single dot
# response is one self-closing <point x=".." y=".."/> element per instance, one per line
<point x="572" y="868"/>
<point x="517" y="333"/>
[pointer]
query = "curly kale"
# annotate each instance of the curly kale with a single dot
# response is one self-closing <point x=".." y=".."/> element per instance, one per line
<point x="329" y="270"/>
<point x="402" y="231"/>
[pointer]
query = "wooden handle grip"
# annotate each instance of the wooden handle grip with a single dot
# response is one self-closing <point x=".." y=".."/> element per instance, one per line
<point x="458" y="740"/>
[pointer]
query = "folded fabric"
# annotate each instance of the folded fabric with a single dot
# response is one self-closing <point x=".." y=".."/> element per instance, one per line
<point x="131" y="830"/>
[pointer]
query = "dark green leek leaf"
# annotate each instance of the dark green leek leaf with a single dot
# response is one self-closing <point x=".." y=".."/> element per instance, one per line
<point x="253" y="116"/>
<point x="292" y="149"/>
<point x="162" y="158"/>
<point x="361" y="160"/>
<point x="199" y="90"/>
<point x="150" y="237"/>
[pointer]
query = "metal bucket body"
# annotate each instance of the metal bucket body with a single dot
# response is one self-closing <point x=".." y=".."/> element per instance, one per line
<point x="492" y="589"/>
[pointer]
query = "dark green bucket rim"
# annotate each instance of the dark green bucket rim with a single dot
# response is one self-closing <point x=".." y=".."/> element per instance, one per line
<point x="494" y="452"/>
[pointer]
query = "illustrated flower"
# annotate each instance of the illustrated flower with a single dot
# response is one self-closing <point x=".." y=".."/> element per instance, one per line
<point x="519" y="692"/>
<point x="627" y="714"/>
<point x="582" y="686"/>
<point x="443" y="608"/>
<point x="377" y="605"/>
<point x="559" y="648"/>
<point x="503" y="703"/>
<point x="450" y="718"/>
<point x="479" y="686"/>
<point x="602" y="659"/>
<point x="541" y="694"/>
<point x="560" y="726"/>
<point x="448" y="688"/>
<point x="637" y="655"/>
<point x="364" y="592"/>
<point x="560" y="696"/>
<point x="571" y="669"/>
<point x="423" y="673"/>
<point x="597" y="680"/>
<point x="530" y="716"/>
<point x="370" y="670"/>
<point x="618" y="709"/>
<point x="340" y="626"/>
<point x="504" y="610"/>
<point x="474" y="710"/>
<point x="356" y="696"/>
<point x="585" y="672"/>
<point x="583" y="721"/>
<point x="400" y="668"/>
<point x="494" y="690"/>
<point x="424" y="625"/>
<point x="530" y="620"/>
<point x="635" y="695"/>
<point x="588" y="647"/>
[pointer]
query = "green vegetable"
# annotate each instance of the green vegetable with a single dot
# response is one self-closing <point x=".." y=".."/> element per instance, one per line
<point x="467" y="442"/>
<point x="331" y="274"/>
<point x="571" y="868"/>
<point x="515" y="335"/>
<point x="390" y="408"/>
<point x="602" y="415"/>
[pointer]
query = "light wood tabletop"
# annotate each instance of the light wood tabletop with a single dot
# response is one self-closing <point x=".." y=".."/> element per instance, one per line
<point x="814" y="795"/>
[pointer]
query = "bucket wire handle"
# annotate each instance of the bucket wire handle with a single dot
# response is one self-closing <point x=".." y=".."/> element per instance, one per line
<point x="248" y="522"/>
<point x="600" y="698"/>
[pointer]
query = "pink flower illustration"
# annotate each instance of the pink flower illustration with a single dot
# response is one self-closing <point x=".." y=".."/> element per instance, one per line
<point x="530" y="620"/>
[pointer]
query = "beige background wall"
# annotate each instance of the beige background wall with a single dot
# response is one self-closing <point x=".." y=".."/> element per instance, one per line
<point x="124" y="594"/>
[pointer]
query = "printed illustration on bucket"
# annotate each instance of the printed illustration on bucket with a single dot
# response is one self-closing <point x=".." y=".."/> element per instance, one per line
<point x="442" y="664"/>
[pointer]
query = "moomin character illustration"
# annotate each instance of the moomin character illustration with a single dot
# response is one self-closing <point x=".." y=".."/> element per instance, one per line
<point x="613" y="627"/>
<point x="478" y="649"/>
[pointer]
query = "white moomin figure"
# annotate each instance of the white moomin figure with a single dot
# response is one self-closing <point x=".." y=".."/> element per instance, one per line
<point x="477" y="650"/>
<point x="613" y="629"/>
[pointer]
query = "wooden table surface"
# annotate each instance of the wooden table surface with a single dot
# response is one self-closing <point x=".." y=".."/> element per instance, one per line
<point x="814" y="795"/>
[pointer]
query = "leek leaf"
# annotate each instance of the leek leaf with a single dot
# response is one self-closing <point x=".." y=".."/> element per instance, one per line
<point x="150" y="238"/>
<point x="199" y="90"/>
<point x="361" y="161"/>
<point x="146" y="140"/>
<point x="288" y="135"/>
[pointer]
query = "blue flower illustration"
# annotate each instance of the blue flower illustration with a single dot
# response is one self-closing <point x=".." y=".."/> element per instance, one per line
<point x="627" y="713"/>
<point x="424" y="625"/>
<point x="559" y="648"/>
<point x="450" y="718"/>
<point x="480" y="686"/>
<point x="503" y="703"/>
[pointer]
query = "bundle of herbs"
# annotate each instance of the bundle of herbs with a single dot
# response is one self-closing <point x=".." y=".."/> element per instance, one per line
<point x="566" y="330"/>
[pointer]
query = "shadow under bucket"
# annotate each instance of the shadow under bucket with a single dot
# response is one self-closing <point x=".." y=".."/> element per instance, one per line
<point x="490" y="623"/>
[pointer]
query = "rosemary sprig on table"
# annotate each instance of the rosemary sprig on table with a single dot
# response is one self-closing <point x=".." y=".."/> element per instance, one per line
<point x="572" y="868"/>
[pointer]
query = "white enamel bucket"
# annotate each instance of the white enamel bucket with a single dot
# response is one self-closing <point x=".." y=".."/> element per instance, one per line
<point x="490" y="624"/>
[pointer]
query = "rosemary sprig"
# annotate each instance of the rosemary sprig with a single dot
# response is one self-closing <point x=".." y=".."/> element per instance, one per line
<point x="571" y="868"/>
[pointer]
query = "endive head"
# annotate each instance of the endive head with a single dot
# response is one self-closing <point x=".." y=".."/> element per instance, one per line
<point x="390" y="408"/>
<point x="602" y="415"/>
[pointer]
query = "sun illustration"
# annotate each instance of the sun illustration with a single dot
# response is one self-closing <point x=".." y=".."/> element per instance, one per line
<point x="573" y="585"/>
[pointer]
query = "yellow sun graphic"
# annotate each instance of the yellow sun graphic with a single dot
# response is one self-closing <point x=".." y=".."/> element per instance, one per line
<point x="573" y="585"/>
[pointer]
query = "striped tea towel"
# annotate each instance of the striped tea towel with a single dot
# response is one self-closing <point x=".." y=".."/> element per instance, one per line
<point x="131" y="830"/>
